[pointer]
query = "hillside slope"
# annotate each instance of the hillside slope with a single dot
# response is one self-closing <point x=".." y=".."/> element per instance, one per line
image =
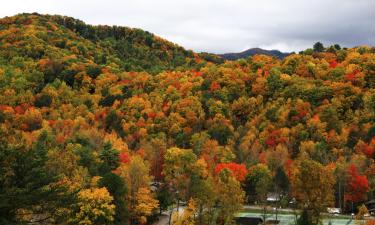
<point x="85" y="128"/>
<point x="44" y="36"/>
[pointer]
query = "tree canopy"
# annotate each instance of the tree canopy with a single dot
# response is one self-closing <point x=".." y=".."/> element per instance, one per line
<point x="106" y="124"/>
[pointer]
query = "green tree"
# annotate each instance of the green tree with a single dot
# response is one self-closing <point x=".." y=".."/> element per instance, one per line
<point x="318" y="47"/>
<point x="44" y="100"/>
<point x="118" y="190"/>
<point x="281" y="181"/>
<point x="305" y="218"/>
<point x="274" y="83"/>
<point x="110" y="158"/>
<point x="220" y="132"/>
<point x="26" y="184"/>
<point x="258" y="182"/>
<point x="164" y="197"/>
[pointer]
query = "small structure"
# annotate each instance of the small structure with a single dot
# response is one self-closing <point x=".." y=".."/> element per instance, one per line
<point x="154" y="186"/>
<point x="334" y="210"/>
<point x="248" y="220"/>
<point x="273" y="197"/>
<point x="370" y="205"/>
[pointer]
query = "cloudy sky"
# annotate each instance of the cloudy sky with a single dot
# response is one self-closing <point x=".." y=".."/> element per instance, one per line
<point x="221" y="26"/>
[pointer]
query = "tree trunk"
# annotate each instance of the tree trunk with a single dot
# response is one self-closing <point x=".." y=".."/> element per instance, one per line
<point x="170" y="216"/>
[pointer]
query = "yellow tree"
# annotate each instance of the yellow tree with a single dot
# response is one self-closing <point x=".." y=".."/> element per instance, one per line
<point x="213" y="154"/>
<point x="230" y="196"/>
<point x="145" y="204"/>
<point x="137" y="178"/>
<point x="183" y="173"/>
<point x="362" y="211"/>
<point x="187" y="217"/>
<point x="65" y="163"/>
<point x="94" y="207"/>
<point x="313" y="186"/>
<point x="180" y="165"/>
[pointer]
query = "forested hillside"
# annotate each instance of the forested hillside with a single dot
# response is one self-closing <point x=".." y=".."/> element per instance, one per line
<point x="109" y="125"/>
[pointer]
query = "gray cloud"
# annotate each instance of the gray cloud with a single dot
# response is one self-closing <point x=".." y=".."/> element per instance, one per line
<point x="225" y="25"/>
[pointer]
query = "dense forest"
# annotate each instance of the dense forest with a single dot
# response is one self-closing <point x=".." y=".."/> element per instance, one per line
<point x="112" y="125"/>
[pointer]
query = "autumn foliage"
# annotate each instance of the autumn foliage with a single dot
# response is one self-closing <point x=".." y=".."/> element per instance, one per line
<point x="153" y="123"/>
<point x="239" y="171"/>
<point x="357" y="185"/>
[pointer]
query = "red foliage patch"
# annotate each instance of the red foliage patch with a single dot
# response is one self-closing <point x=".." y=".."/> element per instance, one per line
<point x="24" y="127"/>
<point x="122" y="82"/>
<point x="5" y="107"/>
<point x="333" y="64"/>
<point x="19" y="110"/>
<point x="100" y="116"/>
<point x="51" y="122"/>
<point x="215" y="86"/>
<point x="141" y="152"/>
<point x="60" y="139"/>
<point x="302" y="113"/>
<point x="197" y="74"/>
<point x="357" y="186"/>
<point x="151" y="115"/>
<point x="239" y="171"/>
<point x="141" y="123"/>
<point x="351" y="76"/>
<point x="177" y="85"/>
<point x="124" y="157"/>
<point x="274" y="139"/>
<point x="368" y="150"/>
<point x="288" y="167"/>
<point x="262" y="157"/>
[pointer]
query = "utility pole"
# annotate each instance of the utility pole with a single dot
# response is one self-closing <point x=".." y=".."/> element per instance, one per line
<point x="276" y="214"/>
<point x="340" y="196"/>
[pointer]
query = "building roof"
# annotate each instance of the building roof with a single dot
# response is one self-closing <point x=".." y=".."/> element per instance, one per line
<point x="248" y="220"/>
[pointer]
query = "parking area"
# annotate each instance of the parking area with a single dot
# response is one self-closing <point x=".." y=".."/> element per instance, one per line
<point x="289" y="219"/>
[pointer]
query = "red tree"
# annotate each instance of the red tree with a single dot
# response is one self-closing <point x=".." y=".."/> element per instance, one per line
<point x="239" y="171"/>
<point x="215" y="86"/>
<point x="357" y="186"/>
<point x="352" y="76"/>
<point x="274" y="139"/>
<point x="368" y="150"/>
<point x="333" y="64"/>
<point x="124" y="157"/>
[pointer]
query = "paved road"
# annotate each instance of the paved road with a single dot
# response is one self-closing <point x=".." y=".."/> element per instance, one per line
<point x="164" y="218"/>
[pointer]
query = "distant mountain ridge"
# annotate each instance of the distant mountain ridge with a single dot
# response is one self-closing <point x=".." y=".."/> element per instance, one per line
<point x="254" y="51"/>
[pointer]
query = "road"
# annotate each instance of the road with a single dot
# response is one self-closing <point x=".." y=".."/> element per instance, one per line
<point x="164" y="218"/>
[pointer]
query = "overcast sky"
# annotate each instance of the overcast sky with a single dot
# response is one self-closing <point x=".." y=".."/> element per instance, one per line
<point x="221" y="26"/>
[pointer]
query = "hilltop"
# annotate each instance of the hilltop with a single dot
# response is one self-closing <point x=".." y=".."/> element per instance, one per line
<point x="254" y="51"/>
<point x="46" y="36"/>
